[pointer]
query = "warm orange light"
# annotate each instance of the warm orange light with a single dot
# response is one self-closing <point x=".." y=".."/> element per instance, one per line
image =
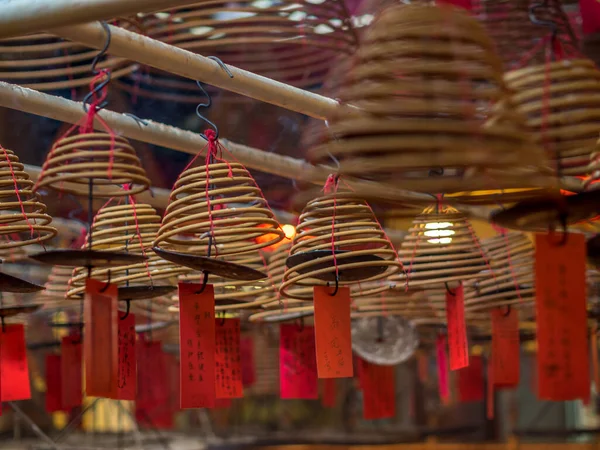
<point x="288" y="230"/>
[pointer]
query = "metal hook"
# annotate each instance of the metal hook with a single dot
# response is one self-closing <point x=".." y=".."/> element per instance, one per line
<point x="222" y="65"/>
<point x="204" y="283"/>
<point x="507" y="313"/>
<point x="562" y="217"/>
<point x="337" y="286"/>
<point x="139" y="121"/>
<point x="206" y="105"/>
<point x="98" y="88"/>
<point x="222" y="322"/>
<point x="105" y="287"/>
<point x="127" y="308"/>
<point x="448" y="290"/>
<point x="3" y="324"/>
<point x="544" y="23"/>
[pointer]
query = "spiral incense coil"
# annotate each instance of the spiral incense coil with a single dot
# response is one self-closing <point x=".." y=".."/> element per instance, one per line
<point x="43" y="62"/>
<point x="56" y="287"/>
<point x="23" y="218"/>
<point x="343" y="222"/>
<point x="440" y="247"/>
<point x="230" y="213"/>
<point x="276" y="269"/>
<point x="408" y="305"/>
<point x="109" y="162"/>
<point x="127" y="228"/>
<point x="511" y="280"/>
<point x="425" y="108"/>
<point x="232" y="295"/>
<point x="288" y="41"/>
<point x="561" y="104"/>
<point x="13" y="254"/>
<point x="279" y="314"/>
<point x="157" y="309"/>
<point x="509" y="24"/>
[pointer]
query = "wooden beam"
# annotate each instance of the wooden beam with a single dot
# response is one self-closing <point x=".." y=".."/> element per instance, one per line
<point x="38" y="103"/>
<point x="136" y="47"/>
<point x="19" y="17"/>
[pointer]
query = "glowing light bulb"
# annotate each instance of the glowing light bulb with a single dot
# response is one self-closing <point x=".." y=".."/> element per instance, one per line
<point x="439" y="231"/>
<point x="289" y="231"/>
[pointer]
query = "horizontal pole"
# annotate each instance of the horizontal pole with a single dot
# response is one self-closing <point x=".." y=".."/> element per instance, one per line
<point x="64" y="110"/>
<point x="20" y="17"/>
<point x="159" y="55"/>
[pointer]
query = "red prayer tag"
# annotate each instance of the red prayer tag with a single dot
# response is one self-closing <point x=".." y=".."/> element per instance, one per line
<point x="590" y="16"/>
<point x="329" y="393"/>
<point x="465" y="4"/>
<point x="379" y="391"/>
<point x="101" y="338"/>
<point x="248" y="370"/>
<point x="14" y="383"/>
<point x="53" y="383"/>
<point x="333" y="339"/>
<point x="471" y="384"/>
<point x="505" y="347"/>
<point x="563" y="355"/>
<point x="490" y="394"/>
<point x="442" y="369"/>
<point x="457" y="330"/>
<point x="71" y="375"/>
<point x="152" y="378"/>
<point x="228" y="362"/>
<point x="125" y="389"/>
<point x="297" y="362"/>
<point x="197" y="345"/>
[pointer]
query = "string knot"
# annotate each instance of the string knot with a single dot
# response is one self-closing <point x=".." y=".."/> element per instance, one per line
<point x="330" y="184"/>
<point x="211" y="135"/>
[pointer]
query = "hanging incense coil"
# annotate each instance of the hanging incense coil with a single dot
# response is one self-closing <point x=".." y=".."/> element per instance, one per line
<point x="511" y="280"/>
<point x="509" y="24"/>
<point x="440" y="247"/>
<point x="127" y="228"/>
<point x="291" y="42"/>
<point x="233" y="295"/>
<point x="425" y="108"/>
<point x="561" y="104"/>
<point x="23" y="218"/>
<point x="338" y="240"/>
<point x="44" y="62"/>
<point x="157" y="309"/>
<point x="217" y="210"/>
<point x="109" y="162"/>
<point x="56" y="287"/>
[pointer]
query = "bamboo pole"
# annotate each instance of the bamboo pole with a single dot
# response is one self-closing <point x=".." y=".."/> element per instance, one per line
<point x="19" y="17"/>
<point x="190" y="65"/>
<point x="41" y="104"/>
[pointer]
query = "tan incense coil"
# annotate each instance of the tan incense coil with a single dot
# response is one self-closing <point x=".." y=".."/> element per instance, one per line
<point x="441" y="247"/>
<point x="236" y="216"/>
<point x="157" y="309"/>
<point x="288" y="41"/>
<point x="509" y="24"/>
<point x="56" y="287"/>
<point x="44" y="62"/>
<point x="561" y="102"/>
<point x="425" y="108"/>
<point x="362" y="250"/>
<point x="511" y="280"/>
<point x="109" y="162"/>
<point x="115" y="229"/>
<point x="409" y="305"/>
<point x="23" y="218"/>
<point x="232" y="295"/>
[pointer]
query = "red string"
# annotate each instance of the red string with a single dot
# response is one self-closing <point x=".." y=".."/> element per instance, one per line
<point x="127" y="187"/>
<point x="331" y="186"/>
<point x="211" y="136"/>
